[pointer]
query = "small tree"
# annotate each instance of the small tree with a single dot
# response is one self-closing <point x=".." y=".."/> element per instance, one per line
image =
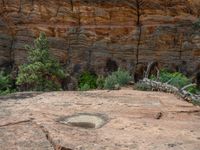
<point x="42" y="72"/>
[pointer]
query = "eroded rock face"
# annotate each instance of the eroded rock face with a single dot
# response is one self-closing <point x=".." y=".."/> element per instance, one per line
<point x="90" y="32"/>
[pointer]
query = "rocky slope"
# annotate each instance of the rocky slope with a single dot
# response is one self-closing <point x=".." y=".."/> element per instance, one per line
<point x="89" y="32"/>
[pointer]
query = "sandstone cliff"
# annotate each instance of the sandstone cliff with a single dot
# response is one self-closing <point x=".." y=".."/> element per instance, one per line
<point x="89" y="32"/>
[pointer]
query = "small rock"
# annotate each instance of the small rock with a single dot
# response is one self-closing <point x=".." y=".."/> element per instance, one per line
<point x="171" y="145"/>
<point x="159" y="115"/>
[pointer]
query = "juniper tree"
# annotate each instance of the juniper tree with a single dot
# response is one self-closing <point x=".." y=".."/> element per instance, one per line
<point x="42" y="72"/>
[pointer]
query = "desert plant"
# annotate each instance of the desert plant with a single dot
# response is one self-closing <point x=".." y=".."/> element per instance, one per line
<point x="100" y="82"/>
<point x="123" y="77"/>
<point x="118" y="78"/>
<point x="42" y="72"/>
<point x="88" y="80"/>
<point x="110" y="82"/>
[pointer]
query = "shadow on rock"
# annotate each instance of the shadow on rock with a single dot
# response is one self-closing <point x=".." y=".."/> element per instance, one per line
<point x="20" y="96"/>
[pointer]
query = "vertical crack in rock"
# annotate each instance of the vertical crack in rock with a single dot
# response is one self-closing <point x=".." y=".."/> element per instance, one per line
<point x="72" y="5"/>
<point x="57" y="10"/>
<point x="68" y="61"/>
<point x="138" y="6"/>
<point x="139" y="28"/>
<point x="11" y="52"/>
<point x="79" y="17"/>
<point x="32" y="8"/>
<point x="20" y="6"/>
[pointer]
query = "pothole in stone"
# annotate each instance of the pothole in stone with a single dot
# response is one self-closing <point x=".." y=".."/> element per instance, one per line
<point x="86" y="121"/>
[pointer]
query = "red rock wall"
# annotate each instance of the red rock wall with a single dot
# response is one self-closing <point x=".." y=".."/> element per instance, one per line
<point x="92" y="31"/>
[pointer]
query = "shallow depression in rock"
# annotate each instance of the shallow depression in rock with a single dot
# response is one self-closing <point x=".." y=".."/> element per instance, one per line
<point x="86" y="121"/>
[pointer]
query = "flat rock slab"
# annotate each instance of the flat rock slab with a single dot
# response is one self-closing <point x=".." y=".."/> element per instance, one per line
<point x="135" y="120"/>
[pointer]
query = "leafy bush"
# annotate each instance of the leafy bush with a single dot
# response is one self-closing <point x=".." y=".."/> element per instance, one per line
<point x="6" y="84"/>
<point x="177" y="79"/>
<point x="117" y="79"/>
<point x="87" y="81"/>
<point x="42" y="72"/>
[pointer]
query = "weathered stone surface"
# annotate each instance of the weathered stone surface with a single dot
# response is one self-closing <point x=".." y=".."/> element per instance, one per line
<point x="24" y="136"/>
<point x="135" y="120"/>
<point x="90" y="32"/>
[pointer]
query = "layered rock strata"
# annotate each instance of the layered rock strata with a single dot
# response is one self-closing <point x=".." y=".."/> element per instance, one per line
<point x="87" y="33"/>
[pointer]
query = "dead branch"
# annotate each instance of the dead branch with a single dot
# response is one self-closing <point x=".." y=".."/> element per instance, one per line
<point x="152" y="65"/>
<point x="165" y="87"/>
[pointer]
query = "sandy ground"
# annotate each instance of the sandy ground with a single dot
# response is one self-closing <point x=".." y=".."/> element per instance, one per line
<point x="135" y="120"/>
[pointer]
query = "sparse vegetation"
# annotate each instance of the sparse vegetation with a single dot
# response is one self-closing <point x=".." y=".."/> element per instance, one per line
<point x="42" y="72"/>
<point x="117" y="79"/>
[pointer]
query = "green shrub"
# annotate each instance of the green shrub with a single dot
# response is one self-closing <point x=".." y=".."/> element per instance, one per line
<point x="194" y="90"/>
<point x="100" y="82"/>
<point x="110" y="82"/>
<point x="123" y="77"/>
<point x="177" y="79"/>
<point x="6" y="84"/>
<point x="117" y="79"/>
<point x="88" y="80"/>
<point x="42" y="72"/>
